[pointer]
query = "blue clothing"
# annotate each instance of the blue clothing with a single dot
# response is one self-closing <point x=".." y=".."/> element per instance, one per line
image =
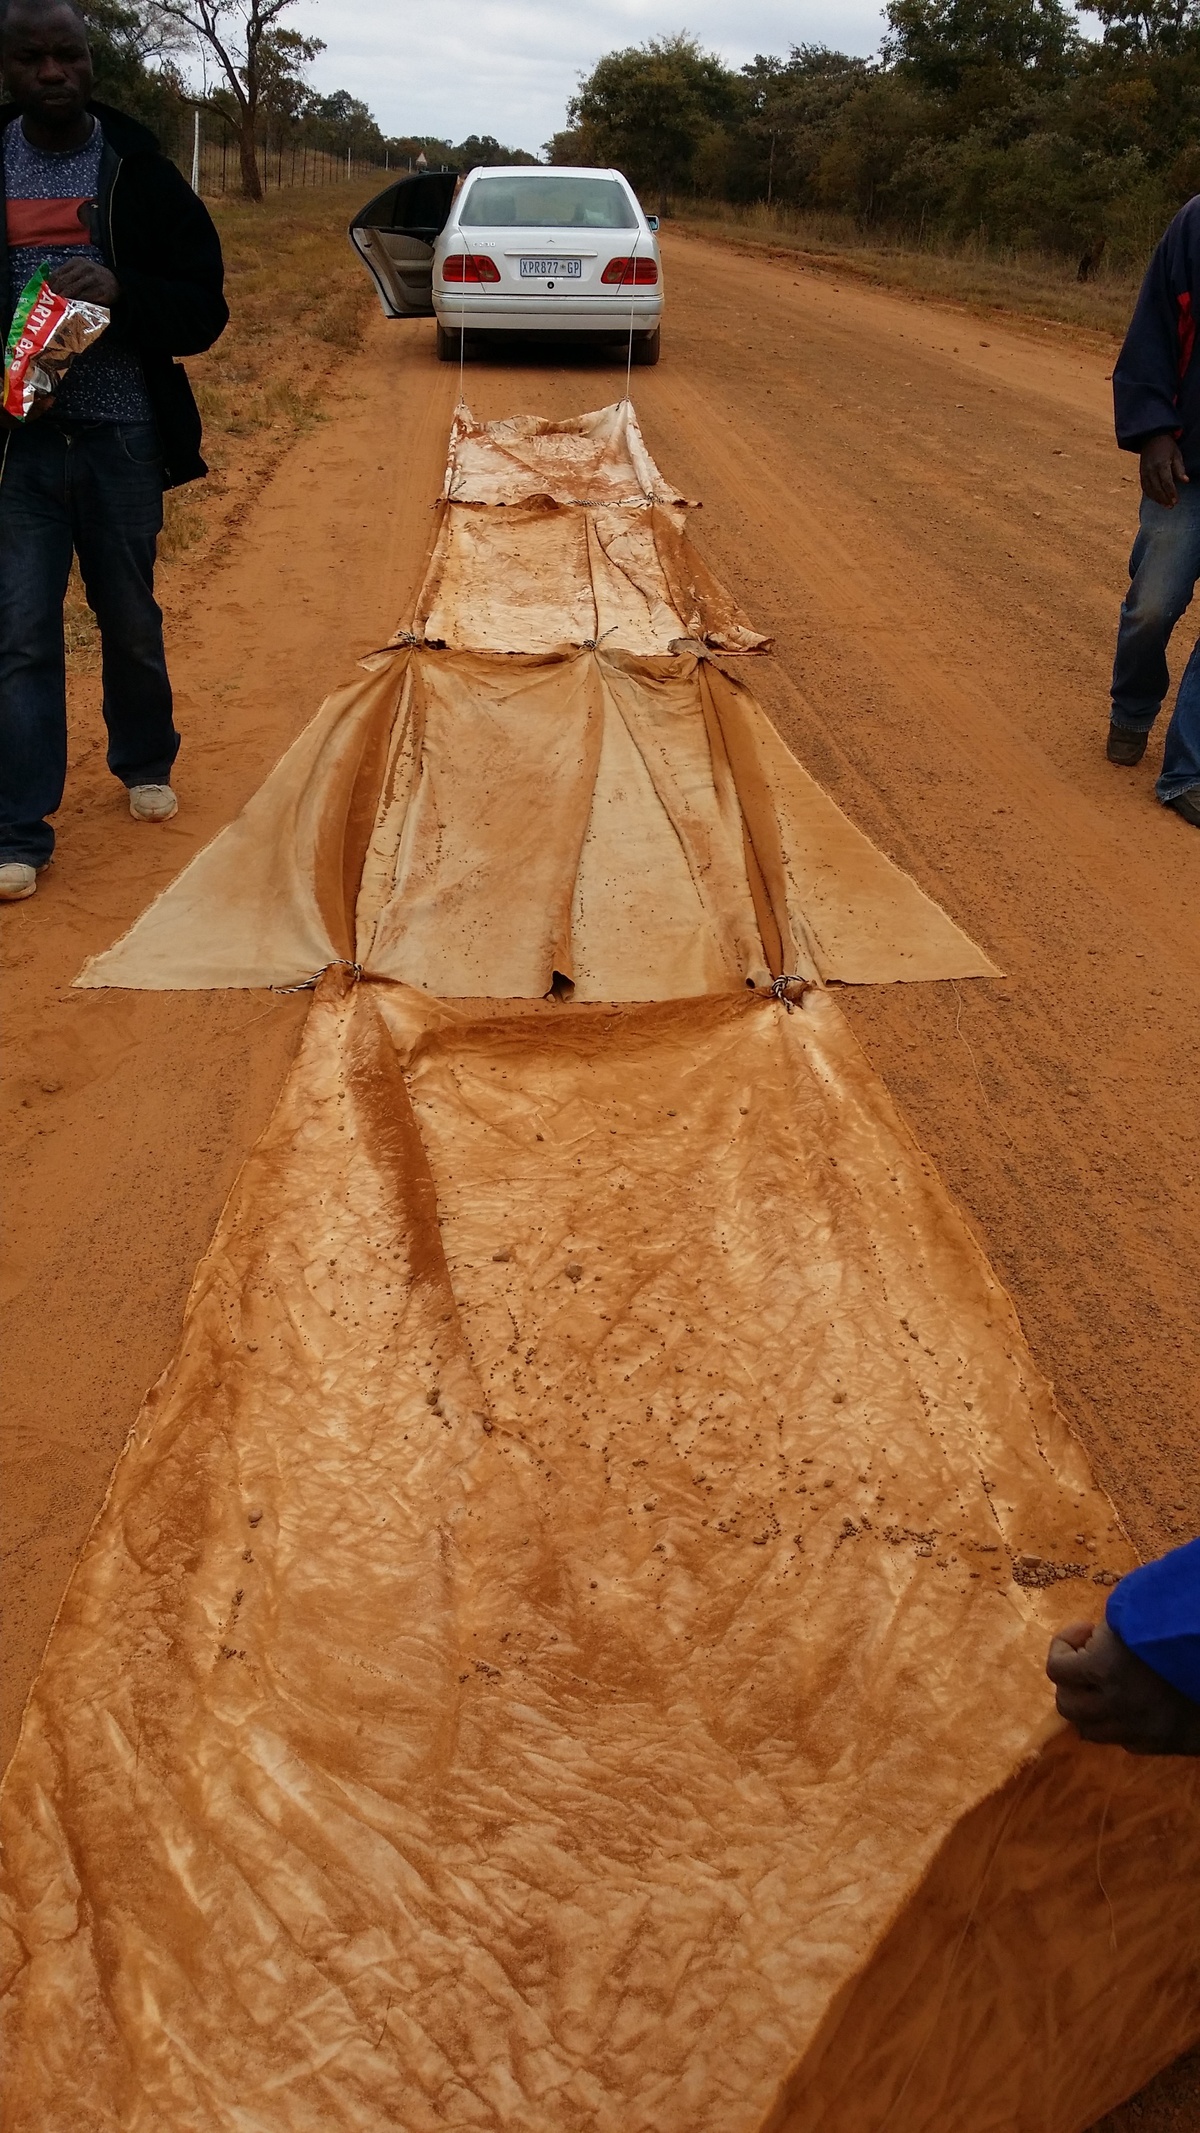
<point x="1156" y="383"/>
<point x="96" y="488"/>
<point x="1163" y="570"/>
<point x="56" y="193"/>
<point x="1156" y="1612"/>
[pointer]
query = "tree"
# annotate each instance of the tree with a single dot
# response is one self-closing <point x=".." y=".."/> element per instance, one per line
<point x="941" y="44"/>
<point x="121" y="45"/>
<point x="342" y="123"/>
<point x="647" y="109"/>
<point x="565" y="146"/>
<point x="283" y="93"/>
<point x="1147" y="26"/>
<point x="792" y="106"/>
<point x="1143" y="26"/>
<point x="241" y="39"/>
<point x="478" y="151"/>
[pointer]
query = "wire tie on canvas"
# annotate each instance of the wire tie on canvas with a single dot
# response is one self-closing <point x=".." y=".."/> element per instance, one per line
<point x="340" y="962"/>
<point x="780" y="988"/>
<point x="403" y="641"/>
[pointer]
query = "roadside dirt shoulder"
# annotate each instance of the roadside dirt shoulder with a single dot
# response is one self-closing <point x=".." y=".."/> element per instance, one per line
<point x="935" y="524"/>
<point x="1023" y="297"/>
<point x="127" y="1115"/>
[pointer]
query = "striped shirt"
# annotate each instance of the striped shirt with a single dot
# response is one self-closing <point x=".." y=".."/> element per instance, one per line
<point x="51" y="211"/>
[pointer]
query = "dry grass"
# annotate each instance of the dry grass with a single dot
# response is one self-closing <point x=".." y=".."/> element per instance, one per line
<point x="299" y="300"/>
<point x="983" y="279"/>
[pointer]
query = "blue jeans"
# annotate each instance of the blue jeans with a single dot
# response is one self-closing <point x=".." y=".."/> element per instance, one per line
<point x="96" y="489"/>
<point x="1163" y="570"/>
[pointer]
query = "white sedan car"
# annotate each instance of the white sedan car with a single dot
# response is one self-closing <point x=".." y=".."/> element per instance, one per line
<point x="519" y="249"/>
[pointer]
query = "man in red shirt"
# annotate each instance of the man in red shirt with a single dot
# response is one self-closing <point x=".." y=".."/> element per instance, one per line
<point x="85" y="191"/>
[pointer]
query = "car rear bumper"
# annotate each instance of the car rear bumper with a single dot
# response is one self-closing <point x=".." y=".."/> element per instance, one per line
<point x="488" y="311"/>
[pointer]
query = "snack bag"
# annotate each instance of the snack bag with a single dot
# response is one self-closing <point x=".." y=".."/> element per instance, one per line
<point x="47" y="333"/>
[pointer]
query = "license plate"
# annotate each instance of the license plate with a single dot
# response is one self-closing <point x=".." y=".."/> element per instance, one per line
<point x="551" y="269"/>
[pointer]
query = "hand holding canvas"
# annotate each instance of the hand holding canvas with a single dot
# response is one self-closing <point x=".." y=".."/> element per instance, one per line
<point x="1114" y="1698"/>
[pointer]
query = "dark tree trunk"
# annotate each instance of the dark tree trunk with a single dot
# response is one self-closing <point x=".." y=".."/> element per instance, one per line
<point x="1091" y="259"/>
<point x="251" y="178"/>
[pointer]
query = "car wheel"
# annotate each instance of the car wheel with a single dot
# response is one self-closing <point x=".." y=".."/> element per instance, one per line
<point x="646" y="346"/>
<point x="449" y="345"/>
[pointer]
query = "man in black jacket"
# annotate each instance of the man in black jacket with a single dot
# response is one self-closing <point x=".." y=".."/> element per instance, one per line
<point x="86" y="192"/>
<point x="1156" y="392"/>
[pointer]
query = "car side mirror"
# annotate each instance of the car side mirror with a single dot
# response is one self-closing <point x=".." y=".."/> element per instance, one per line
<point x="652" y="223"/>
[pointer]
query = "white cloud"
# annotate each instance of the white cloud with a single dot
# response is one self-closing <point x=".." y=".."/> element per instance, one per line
<point x="507" y="67"/>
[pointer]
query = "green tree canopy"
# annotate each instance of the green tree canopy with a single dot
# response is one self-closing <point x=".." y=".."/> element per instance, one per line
<point x="790" y="108"/>
<point x="481" y="149"/>
<point x="940" y="43"/>
<point x="647" y="109"/>
<point x="1145" y="26"/>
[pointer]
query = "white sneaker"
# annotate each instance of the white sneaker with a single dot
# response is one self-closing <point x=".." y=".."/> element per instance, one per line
<point x="152" y="803"/>
<point x="17" y="881"/>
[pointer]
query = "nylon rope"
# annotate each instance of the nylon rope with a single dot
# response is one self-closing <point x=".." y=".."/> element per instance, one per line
<point x="462" y="315"/>
<point x="632" y="302"/>
<point x="781" y="988"/>
<point x="339" y="962"/>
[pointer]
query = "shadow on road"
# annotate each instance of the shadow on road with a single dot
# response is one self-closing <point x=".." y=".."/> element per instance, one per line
<point x="546" y="351"/>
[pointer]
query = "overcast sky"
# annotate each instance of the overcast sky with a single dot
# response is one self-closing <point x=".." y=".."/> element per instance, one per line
<point x="507" y="67"/>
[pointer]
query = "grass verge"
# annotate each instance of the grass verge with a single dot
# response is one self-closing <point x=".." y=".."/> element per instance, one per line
<point x="299" y="300"/>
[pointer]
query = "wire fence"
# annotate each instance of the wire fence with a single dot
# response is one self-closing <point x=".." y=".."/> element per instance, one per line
<point x="280" y="164"/>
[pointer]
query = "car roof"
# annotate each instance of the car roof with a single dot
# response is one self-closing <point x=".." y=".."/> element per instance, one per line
<point x="544" y="170"/>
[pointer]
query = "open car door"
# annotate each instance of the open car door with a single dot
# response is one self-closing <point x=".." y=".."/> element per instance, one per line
<point x="395" y="232"/>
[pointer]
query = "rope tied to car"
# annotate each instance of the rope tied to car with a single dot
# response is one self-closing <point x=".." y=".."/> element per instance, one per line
<point x="632" y="308"/>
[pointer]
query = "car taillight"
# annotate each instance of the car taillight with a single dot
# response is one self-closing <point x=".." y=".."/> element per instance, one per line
<point x="470" y="266"/>
<point x="631" y="273"/>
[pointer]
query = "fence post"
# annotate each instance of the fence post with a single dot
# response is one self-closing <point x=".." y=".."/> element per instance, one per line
<point x="195" y="151"/>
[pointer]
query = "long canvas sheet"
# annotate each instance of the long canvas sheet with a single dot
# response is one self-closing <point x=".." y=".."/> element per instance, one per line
<point x="543" y="575"/>
<point x="549" y="778"/>
<point x="595" y="458"/>
<point x="563" y="1647"/>
<point x="588" y="1557"/>
<point x="478" y="823"/>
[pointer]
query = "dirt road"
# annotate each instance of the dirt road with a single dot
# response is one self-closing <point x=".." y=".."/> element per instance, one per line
<point x="929" y="514"/>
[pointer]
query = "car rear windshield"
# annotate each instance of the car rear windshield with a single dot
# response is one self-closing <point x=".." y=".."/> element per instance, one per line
<point x="547" y="204"/>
